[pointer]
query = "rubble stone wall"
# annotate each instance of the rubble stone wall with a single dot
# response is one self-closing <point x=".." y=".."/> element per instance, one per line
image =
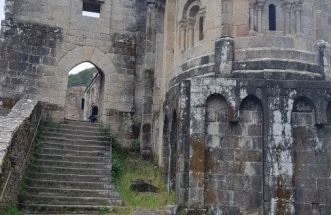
<point x="17" y="131"/>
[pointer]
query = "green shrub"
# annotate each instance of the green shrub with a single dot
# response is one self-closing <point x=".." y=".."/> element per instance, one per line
<point x="117" y="165"/>
<point x="136" y="146"/>
<point x="12" y="210"/>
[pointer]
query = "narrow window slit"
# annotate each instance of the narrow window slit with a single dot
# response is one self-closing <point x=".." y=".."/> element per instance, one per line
<point x="272" y="17"/>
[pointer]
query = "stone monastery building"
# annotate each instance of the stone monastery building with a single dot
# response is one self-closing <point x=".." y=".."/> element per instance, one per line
<point x="231" y="97"/>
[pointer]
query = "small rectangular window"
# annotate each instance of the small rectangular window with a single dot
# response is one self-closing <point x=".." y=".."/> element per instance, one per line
<point x="91" y="9"/>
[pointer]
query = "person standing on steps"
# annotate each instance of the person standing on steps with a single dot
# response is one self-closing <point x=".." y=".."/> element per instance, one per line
<point x="94" y="113"/>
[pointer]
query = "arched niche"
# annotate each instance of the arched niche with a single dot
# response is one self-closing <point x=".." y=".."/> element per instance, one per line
<point x="217" y="147"/>
<point x="311" y="161"/>
<point x="248" y="154"/>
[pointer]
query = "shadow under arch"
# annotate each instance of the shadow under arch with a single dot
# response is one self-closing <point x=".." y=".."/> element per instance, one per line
<point x="303" y="104"/>
<point x="101" y="61"/>
<point x="251" y="102"/>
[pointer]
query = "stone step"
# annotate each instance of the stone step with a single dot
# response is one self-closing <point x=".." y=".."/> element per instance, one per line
<point x="73" y="158"/>
<point x="84" y="123"/>
<point x="82" y="127"/>
<point x="71" y="192"/>
<point x="74" y="141"/>
<point x="75" y="147"/>
<point x="68" y="184"/>
<point x="98" y="153"/>
<point x="72" y="173"/>
<point x="66" y="170"/>
<point x="74" y="136"/>
<point x="73" y="131"/>
<point x="63" y="164"/>
<point x="70" y="177"/>
<point x="68" y="200"/>
<point x="60" y="209"/>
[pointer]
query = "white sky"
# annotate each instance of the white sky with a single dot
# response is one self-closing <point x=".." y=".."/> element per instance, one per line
<point x="2" y="9"/>
<point x="86" y="13"/>
<point x="80" y="67"/>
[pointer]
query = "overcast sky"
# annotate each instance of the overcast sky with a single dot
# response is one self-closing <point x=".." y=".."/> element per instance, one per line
<point x="2" y="8"/>
<point x="79" y="67"/>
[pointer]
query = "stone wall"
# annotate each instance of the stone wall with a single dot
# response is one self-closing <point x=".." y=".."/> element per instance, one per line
<point x="74" y="100"/>
<point x="37" y="66"/>
<point x="255" y="146"/>
<point x="17" y="131"/>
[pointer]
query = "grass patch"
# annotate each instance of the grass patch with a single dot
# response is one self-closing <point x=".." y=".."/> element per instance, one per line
<point x="12" y="210"/>
<point x="127" y="166"/>
<point x="114" y="211"/>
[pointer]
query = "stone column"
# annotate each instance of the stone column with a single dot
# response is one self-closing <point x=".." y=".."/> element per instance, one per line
<point x="190" y="34"/>
<point x="297" y="13"/>
<point x="224" y="56"/>
<point x="287" y="17"/>
<point x="148" y="81"/>
<point x="182" y="33"/>
<point x="259" y="9"/>
<point x="251" y="18"/>
<point x="182" y="176"/>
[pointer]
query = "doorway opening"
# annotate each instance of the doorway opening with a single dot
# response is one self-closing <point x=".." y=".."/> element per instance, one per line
<point x="84" y="90"/>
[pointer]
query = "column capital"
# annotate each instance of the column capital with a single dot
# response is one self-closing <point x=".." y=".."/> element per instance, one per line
<point x="252" y="3"/>
<point x="190" y="22"/>
<point x="260" y="4"/>
<point x="151" y="2"/>
<point x="202" y="11"/>
<point x="182" y="23"/>
<point x="297" y="6"/>
<point x="287" y="5"/>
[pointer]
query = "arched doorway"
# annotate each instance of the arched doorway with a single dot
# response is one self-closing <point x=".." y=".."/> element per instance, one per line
<point x="85" y="87"/>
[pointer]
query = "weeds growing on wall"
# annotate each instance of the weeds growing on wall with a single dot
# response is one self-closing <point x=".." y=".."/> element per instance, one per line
<point x="136" y="146"/>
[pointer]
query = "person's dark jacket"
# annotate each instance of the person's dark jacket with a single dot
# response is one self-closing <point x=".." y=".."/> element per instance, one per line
<point x="95" y="110"/>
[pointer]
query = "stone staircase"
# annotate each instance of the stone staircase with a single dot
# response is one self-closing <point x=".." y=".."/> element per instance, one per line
<point x="72" y="173"/>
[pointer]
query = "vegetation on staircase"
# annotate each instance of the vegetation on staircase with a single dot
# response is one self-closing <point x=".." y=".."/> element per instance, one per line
<point x="70" y="171"/>
<point x="64" y="171"/>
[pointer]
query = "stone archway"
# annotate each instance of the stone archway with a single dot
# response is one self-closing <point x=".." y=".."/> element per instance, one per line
<point x="104" y="64"/>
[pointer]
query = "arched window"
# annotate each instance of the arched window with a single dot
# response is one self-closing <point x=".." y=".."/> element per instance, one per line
<point x="201" y="27"/>
<point x="272" y="17"/>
